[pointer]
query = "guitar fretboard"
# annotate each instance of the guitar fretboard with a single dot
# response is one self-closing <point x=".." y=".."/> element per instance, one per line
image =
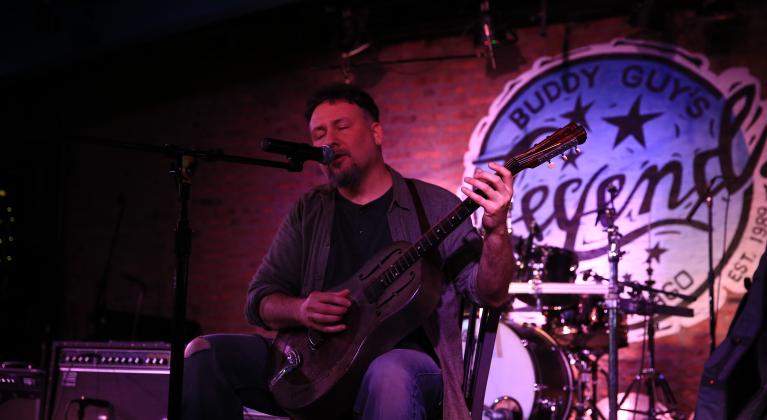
<point x="434" y="236"/>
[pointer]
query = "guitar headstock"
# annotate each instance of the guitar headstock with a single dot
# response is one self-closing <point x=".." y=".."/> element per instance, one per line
<point x="567" y="137"/>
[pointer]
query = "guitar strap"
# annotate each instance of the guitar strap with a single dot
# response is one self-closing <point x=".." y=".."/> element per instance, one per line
<point x="423" y="221"/>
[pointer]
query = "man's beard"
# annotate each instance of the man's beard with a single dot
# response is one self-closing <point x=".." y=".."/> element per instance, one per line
<point x="345" y="178"/>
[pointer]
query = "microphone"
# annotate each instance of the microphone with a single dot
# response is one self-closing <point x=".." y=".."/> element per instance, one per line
<point x="299" y="151"/>
<point x="710" y="198"/>
<point x="707" y="197"/>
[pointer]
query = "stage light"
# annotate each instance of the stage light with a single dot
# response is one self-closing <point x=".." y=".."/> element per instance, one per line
<point x="496" y="42"/>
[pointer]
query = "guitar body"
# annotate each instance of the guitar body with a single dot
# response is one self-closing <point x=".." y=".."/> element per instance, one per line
<point x="331" y="366"/>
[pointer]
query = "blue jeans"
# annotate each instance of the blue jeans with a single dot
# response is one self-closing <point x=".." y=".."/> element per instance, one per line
<point x="400" y="384"/>
<point x="219" y="380"/>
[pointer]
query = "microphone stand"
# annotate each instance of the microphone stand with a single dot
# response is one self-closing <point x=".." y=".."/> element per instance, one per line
<point x="183" y="169"/>
<point x="185" y="162"/>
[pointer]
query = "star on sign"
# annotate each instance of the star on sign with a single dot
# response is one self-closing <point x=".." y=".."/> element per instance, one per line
<point x="627" y="277"/>
<point x="632" y="123"/>
<point x="578" y="114"/>
<point x="655" y="252"/>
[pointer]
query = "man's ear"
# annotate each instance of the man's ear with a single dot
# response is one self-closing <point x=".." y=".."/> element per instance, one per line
<point x="377" y="132"/>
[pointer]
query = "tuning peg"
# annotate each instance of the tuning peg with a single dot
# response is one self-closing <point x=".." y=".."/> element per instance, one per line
<point x="577" y="149"/>
<point x="550" y="164"/>
<point x="564" y="157"/>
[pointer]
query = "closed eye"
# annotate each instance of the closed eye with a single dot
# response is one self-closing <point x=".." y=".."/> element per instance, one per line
<point x="318" y="134"/>
<point x="342" y="124"/>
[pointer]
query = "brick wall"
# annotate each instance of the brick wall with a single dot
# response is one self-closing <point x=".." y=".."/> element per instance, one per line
<point x="428" y="112"/>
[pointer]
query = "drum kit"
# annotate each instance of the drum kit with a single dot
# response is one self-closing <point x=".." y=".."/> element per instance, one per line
<point x="546" y="366"/>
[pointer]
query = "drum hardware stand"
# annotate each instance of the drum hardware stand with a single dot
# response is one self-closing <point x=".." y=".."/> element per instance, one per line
<point x="537" y="269"/>
<point x="534" y="268"/>
<point x="588" y="366"/>
<point x="651" y="379"/>
<point x="607" y="218"/>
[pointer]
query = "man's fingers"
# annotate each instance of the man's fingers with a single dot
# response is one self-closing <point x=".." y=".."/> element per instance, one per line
<point x="500" y="170"/>
<point x="506" y="176"/>
<point x="327" y="309"/>
<point x="325" y="319"/>
<point x="474" y="196"/>
<point x="335" y="298"/>
<point x="488" y="190"/>
<point x="493" y="179"/>
<point x="330" y="328"/>
<point x="500" y="181"/>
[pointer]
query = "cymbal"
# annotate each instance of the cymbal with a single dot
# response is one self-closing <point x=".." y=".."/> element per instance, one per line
<point x="643" y="307"/>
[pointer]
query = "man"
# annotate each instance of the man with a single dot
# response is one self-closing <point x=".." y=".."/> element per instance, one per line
<point x="328" y="235"/>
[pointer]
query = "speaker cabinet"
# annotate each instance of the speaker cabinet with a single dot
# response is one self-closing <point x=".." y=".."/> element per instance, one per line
<point x="21" y="391"/>
<point x="98" y="381"/>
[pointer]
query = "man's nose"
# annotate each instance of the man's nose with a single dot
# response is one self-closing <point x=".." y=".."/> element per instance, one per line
<point x="329" y="139"/>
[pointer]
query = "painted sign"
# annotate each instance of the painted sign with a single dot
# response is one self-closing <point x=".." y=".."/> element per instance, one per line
<point x="665" y="132"/>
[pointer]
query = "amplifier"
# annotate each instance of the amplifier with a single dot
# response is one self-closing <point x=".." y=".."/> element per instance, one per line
<point x="21" y="391"/>
<point x="119" y="380"/>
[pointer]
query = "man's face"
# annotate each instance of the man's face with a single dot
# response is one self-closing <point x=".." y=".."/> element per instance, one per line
<point x="353" y="135"/>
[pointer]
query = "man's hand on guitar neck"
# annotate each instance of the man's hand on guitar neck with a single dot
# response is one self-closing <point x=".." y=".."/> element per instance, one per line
<point x="496" y="189"/>
<point x="496" y="265"/>
<point x="320" y="311"/>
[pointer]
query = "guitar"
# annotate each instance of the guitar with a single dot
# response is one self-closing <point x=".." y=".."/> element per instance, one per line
<point x="316" y="375"/>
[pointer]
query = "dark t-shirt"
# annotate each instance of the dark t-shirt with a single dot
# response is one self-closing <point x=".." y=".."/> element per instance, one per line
<point x="358" y="233"/>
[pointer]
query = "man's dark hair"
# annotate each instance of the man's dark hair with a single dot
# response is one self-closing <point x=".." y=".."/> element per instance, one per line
<point x="342" y="92"/>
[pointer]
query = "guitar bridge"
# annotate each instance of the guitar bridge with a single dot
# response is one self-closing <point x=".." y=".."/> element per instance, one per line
<point x="294" y="361"/>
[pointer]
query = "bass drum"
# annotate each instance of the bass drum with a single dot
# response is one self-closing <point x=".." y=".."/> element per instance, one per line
<point x="530" y="376"/>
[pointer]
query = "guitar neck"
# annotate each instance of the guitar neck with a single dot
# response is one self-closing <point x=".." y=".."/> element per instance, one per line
<point x="437" y="233"/>
<point x="434" y="236"/>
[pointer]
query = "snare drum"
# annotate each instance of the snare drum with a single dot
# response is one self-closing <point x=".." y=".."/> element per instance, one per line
<point x="530" y="373"/>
